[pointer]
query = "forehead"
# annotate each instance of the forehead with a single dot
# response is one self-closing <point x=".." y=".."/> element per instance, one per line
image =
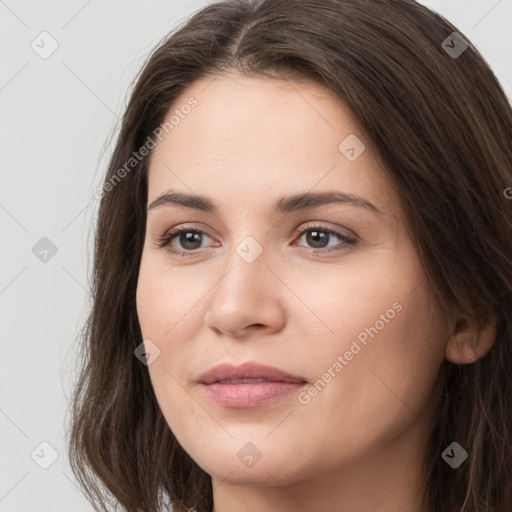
<point x="268" y="113"/>
<point x="256" y="134"/>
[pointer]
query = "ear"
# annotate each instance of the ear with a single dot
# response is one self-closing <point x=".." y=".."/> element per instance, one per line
<point x="468" y="343"/>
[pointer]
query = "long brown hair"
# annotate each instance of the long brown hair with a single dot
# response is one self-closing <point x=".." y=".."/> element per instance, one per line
<point x="443" y="126"/>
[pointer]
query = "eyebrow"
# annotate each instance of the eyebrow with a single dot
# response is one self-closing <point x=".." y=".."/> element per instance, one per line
<point x="283" y="204"/>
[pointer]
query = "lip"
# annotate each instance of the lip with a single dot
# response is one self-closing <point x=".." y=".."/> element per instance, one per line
<point x="224" y="384"/>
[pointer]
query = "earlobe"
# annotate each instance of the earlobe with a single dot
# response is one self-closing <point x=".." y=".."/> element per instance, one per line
<point x="467" y="344"/>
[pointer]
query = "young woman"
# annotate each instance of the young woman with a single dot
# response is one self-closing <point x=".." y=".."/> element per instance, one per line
<point x="303" y="270"/>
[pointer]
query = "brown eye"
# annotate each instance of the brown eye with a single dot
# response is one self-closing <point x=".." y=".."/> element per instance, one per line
<point x="189" y="239"/>
<point x="318" y="238"/>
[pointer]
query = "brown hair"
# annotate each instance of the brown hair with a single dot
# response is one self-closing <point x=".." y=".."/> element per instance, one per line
<point x="443" y="127"/>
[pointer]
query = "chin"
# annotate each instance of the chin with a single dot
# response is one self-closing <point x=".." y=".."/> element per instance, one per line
<point x="262" y="474"/>
<point x="261" y="463"/>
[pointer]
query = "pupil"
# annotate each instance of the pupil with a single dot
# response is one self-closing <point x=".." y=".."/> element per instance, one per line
<point x="315" y="237"/>
<point x="191" y="237"/>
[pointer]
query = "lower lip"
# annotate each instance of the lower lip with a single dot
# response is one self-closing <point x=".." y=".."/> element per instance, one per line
<point x="249" y="395"/>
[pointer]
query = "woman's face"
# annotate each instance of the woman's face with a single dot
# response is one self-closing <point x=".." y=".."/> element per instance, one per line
<point x="329" y="292"/>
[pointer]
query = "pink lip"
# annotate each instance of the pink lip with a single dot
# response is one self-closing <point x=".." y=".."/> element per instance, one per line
<point x="242" y="395"/>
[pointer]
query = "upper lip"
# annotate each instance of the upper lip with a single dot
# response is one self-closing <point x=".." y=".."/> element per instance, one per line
<point x="248" y="370"/>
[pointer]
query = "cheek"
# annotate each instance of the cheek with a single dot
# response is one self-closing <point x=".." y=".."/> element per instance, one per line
<point x="164" y="300"/>
<point x="388" y="370"/>
<point x="381" y="351"/>
<point x="341" y="302"/>
<point x="409" y="356"/>
<point x="165" y="314"/>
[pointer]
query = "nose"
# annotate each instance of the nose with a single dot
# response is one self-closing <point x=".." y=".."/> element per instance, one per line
<point x="246" y="298"/>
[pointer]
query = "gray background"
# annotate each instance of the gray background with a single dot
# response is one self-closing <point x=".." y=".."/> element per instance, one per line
<point x="57" y="118"/>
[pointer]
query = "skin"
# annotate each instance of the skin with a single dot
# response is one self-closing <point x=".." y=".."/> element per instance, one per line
<point x="357" y="445"/>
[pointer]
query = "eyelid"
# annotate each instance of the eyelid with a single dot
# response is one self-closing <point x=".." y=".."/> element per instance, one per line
<point x="348" y="241"/>
<point x="322" y="225"/>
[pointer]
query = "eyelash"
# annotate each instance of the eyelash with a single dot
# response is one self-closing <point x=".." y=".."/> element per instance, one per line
<point x="165" y="240"/>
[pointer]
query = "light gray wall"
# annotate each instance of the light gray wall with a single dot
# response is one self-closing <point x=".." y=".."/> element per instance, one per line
<point x="56" y="113"/>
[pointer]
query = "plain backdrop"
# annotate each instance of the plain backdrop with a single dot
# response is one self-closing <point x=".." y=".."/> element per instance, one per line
<point x="57" y="114"/>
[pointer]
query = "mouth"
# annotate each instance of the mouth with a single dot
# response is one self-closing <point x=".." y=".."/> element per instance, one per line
<point x="247" y="373"/>
<point x="248" y="385"/>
